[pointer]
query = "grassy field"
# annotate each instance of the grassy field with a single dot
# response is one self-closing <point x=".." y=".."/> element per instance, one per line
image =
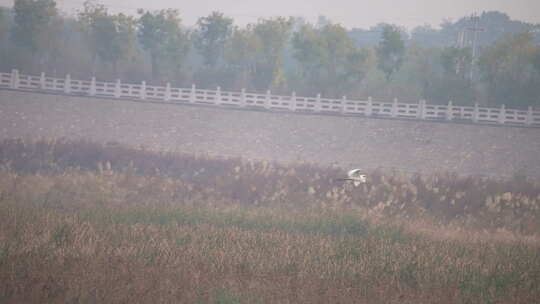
<point x="85" y="223"/>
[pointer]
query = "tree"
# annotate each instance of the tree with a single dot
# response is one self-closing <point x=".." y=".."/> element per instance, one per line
<point x="96" y="26"/>
<point x="240" y="55"/>
<point x="391" y="51"/>
<point x="508" y="70"/>
<point x="32" y="22"/>
<point x="420" y="66"/>
<point x="497" y="25"/>
<point x="330" y="62"/>
<point x="160" y="34"/>
<point x="536" y="60"/>
<point x="4" y="33"/>
<point x="427" y="36"/>
<point x="270" y="38"/>
<point x="122" y="46"/>
<point x="456" y="61"/>
<point x="31" y="18"/>
<point x="211" y="36"/>
<point x="4" y="24"/>
<point x="367" y="38"/>
<point x="453" y="81"/>
<point x="110" y="37"/>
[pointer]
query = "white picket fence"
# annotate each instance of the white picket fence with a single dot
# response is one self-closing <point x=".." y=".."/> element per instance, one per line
<point x="268" y="101"/>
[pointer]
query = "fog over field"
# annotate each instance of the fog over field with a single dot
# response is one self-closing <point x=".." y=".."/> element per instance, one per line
<point x="227" y="152"/>
<point x="350" y="13"/>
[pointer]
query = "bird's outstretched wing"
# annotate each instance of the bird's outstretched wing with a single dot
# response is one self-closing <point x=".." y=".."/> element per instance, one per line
<point x="356" y="176"/>
<point x="354" y="173"/>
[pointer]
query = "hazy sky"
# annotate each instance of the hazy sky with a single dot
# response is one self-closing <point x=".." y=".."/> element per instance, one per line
<point x="350" y="13"/>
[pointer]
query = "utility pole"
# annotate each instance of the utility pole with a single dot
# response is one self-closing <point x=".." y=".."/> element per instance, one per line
<point x="460" y="44"/>
<point x="468" y="37"/>
<point x="474" y="29"/>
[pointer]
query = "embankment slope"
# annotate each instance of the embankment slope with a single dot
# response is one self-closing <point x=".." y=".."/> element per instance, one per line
<point x="284" y="137"/>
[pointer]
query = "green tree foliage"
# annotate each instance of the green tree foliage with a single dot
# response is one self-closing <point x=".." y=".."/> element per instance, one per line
<point x="4" y="33"/>
<point x="368" y="37"/>
<point x="390" y="51"/>
<point x="241" y="55"/>
<point x="35" y="28"/>
<point x="168" y="45"/>
<point x="210" y="38"/>
<point x="281" y="54"/>
<point x="453" y="82"/>
<point x="4" y="25"/>
<point x="329" y="60"/>
<point x="427" y="36"/>
<point x="536" y="60"/>
<point x="420" y="66"/>
<point x="456" y="61"/>
<point x="211" y="35"/>
<point x="508" y="69"/>
<point x="31" y="20"/>
<point x="111" y="37"/>
<point x="496" y="26"/>
<point x="270" y="38"/>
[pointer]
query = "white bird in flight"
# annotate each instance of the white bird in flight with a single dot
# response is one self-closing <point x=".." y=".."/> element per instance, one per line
<point x="356" y="176"/>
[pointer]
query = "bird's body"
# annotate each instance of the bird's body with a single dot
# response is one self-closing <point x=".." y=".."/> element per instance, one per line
<point x="356" y="176"/>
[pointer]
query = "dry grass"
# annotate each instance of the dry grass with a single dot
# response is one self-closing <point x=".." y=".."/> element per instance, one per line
<point x="442" y="199"/>
<point x="132" y="226"/>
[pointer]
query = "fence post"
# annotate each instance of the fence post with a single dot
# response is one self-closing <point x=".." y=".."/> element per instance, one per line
<point x="318" y="105"/>
<point x="117" y="89"/>
<point x="168" y="92"/>
<point x="67" y="84"/>
<point x="529" y="119"/>
<point x="292" y="106"/>
<point x="449" y="110"/>
<point x="502" y="114"/>
<point x="268" y="101"/>
<point x="394" y="108"/>
<point x="343" y="104"/>
<point x="243" y="97"/>
<point x="93" y="86"/>
<point x="475" y="112"/>
<point x="143" y="90"/>
<point x="42" y="80"/>
<point x="192" y="94"/>
<point x="369" y="106"/>
<point x="421" y="109"/>
<point x="14" y="79"/>
<point x="218" y="96"/>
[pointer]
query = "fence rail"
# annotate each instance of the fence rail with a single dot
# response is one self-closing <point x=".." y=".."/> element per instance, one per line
<point x="268" y="101"/>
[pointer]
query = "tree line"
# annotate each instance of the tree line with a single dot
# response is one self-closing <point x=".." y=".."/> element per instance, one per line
<point x="281" y="54"/>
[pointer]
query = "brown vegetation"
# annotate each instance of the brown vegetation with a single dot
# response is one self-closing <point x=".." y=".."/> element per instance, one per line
<point x="85" y="223"/>
<point x="485" y="203"/>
